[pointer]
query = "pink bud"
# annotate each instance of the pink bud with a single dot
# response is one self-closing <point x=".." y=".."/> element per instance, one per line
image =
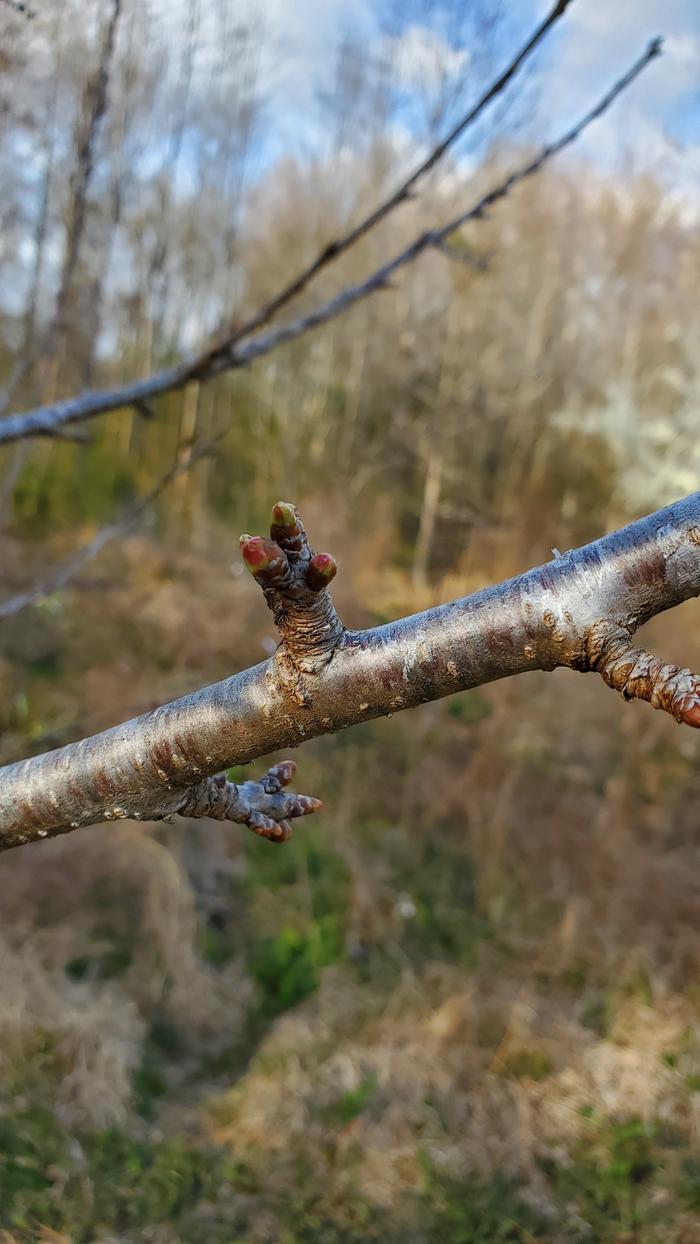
<point x="321" y="570"/>
<point x="260" y="554"/>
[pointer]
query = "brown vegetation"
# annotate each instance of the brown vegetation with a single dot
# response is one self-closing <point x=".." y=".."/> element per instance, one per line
<point x="483" y="965"/>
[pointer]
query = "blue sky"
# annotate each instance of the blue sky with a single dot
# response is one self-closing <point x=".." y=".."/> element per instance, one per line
<point x="597" y="38"/>
<point x="655" y="127"/>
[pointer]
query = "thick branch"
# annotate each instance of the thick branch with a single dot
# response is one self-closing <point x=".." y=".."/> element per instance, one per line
<point x="578" y="611"/>
<point x="231" y="353"/>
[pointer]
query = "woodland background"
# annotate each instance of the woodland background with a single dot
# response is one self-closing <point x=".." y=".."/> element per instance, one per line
<point x="464" y="1005"/>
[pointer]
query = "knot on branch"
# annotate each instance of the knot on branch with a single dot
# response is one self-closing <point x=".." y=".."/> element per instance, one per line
<point x="295" y="582"/>
<point x="264" y="806"/>
<point x="639" y="675"/>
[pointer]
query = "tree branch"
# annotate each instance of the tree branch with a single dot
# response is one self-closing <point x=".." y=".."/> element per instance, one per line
<point x="402" y="194"/>
<point x="231" y="353"/>
<point x="579" y="611"/>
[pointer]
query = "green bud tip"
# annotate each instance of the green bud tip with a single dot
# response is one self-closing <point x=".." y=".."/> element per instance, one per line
<point x="284" y="514"/>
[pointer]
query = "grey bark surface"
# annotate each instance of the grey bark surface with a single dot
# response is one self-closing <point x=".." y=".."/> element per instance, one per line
<point x="579" y="611"/>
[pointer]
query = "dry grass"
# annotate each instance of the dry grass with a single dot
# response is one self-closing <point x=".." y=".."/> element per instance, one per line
<point x="518" y="959"/>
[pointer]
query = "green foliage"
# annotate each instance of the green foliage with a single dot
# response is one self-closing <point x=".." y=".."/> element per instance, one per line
<point x="596" y="1011"/>
<point x="286" y="967"/>
<point x="79" y="485"/>
<point x="215" y="945"/>
<point x="690" y="1184"/>
<point x="30" y="1144"/>
<point x="607" y="1178"/>
<point x="351" y="1104"/>
<point x="441" y="881"/>
<point x="150" y="1083"/>
<point x="479" y="1212"/>
<point x="310" y="886"/>
<point x="526" y="1064"/>
<point x="109" y="1182"/>
<point x="112" y="957"/>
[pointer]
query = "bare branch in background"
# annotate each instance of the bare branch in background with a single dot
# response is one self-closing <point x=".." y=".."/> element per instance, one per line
<point x="67" y="571"/>
<point x="402" y="194"/>
<point x="94" y="106"/>
<point x="433" y="238"/>
<point x="221" y="353"/>
<point x="579" y="611"/>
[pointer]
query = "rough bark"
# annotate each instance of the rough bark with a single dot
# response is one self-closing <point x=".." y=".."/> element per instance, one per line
<point x="579" y="611"/>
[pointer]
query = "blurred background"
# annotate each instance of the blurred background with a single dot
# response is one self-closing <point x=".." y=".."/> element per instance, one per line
<point x="463" y="1004"/>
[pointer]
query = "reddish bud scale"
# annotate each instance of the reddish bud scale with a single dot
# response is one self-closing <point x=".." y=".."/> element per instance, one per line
<point x="690" y="715"/>
<point x="284" y="771"/>
<point x="261" y="555"/>
<point x="321" y="570"/>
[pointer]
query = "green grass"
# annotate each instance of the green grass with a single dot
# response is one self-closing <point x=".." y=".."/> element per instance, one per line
<point x="609" y="1181"/>
<point x="108" y="1181"/>
<point x="350" y="1105"/>
<point x="480" y="1212"/>
<point x="310" y="885"/>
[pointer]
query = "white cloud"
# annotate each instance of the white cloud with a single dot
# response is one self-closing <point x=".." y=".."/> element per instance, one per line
<point x="597" y="40"/>
<point x="295" y="46"/>
<point x="424" y="60"/>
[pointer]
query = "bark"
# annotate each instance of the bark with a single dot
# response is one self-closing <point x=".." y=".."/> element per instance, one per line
<point x="579" y="611"/>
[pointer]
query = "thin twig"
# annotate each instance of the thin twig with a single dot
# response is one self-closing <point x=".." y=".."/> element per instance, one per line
<point x="44" y="420"/>
<point x="237" y="332"/>
<point x="67" y="570"/>
<point x="431" y="238"/>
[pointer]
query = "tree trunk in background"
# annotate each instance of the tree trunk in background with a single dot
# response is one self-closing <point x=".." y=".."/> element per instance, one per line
<point x="428" y="516"/>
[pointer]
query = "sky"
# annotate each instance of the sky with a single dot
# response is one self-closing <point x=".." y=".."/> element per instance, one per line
<point x="656" y="126"/>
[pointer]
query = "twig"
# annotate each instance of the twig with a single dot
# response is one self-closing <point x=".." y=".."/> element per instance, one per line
<point x="67" y="570"/>
<point x="403" y="193"/>
<point x="235" y="331"/>
<point x="432" y="238"/>
<point x="44" y="420"/>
